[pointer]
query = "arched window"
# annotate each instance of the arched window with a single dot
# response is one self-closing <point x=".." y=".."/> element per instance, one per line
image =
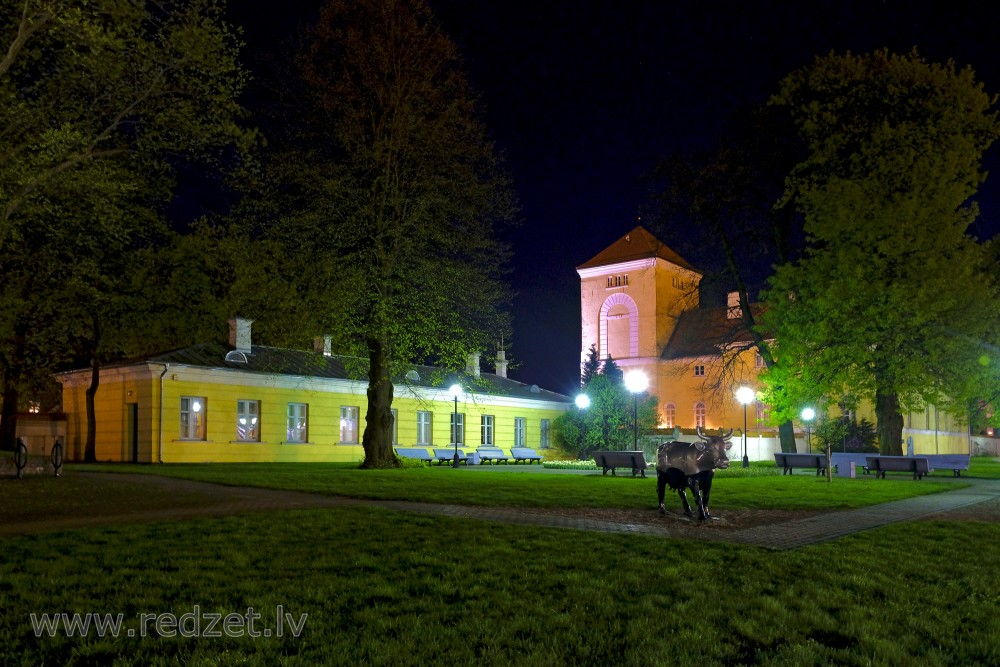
<point x="699" y="415"/>
<point x="669" y="415"/>
<point x="619" y="327"/>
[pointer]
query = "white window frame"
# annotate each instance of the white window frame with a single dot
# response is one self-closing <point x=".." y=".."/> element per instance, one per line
<point x="425" y="431"/>
<point x="297" y="422"/>
<point x="194" y="418"/>
<point x="700" y="415"/>
<point x="349" y="421"/>
<point x="247" y="420"/>
<point x="457" y="423"/>
<point x="545" y="431"/>
<point x="486" y="430"/>
<point x="520" y="432"/>
<point x="669" y="415"/>
<point x="699" y="370"/>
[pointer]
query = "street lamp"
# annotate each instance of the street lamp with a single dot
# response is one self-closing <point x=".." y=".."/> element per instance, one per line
<point x="636" y="382"/>
<point x="807" y="416"/>
<point x="583" y="401"/>
<point x="456" y="392"/>
<point x="745" y="395"/>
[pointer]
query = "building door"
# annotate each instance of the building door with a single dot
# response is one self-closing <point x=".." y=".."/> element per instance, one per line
<point x="132" y="432"/>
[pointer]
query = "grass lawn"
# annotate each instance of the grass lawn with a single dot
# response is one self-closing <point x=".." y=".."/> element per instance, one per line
<point x="732" y="488"/>
<point x="393" y="588"/>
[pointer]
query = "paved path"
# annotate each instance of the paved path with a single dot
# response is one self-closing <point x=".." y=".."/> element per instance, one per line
<point x="201" y="499"/>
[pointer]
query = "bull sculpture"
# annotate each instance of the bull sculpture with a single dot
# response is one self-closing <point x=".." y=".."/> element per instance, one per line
<point x="691" y="465"/>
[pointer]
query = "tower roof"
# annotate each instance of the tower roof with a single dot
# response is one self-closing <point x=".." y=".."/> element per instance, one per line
<point x="637" y="244"/>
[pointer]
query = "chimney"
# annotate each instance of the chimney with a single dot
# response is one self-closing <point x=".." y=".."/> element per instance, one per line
<point x="472" y="364"/>
<point x="239" y="333"/>
<point x="323" y="346"/>
<point x="734" y="311"/>
<point x="501" y="363"/>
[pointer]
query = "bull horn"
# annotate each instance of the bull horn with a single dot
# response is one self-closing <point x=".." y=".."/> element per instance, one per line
<point x="701" y="435"/>
<point x="728" y="436"/>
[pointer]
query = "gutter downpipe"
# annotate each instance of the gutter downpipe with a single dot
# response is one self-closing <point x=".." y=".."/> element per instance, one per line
<point x="159" y="444"/>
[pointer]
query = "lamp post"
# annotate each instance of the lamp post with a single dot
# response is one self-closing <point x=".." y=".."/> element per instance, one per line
<point x="745" y="395"/>
<point x="636" y="382"/>
<point x="456" y="391"/>
<point x="583" y="401"/>
<point x="807" y="416"/>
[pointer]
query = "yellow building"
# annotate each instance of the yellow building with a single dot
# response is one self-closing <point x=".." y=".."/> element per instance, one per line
<point x="639" y="304"/>
<point x="245" y="402"/>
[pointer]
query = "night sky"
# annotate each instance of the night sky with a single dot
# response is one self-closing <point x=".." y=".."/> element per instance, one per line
<point x="583" y="97"/>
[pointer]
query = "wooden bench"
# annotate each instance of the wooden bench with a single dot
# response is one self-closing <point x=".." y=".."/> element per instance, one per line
<point x="448" y="456"/>
<point x="492" y="454"/>
<point x="838" y="459"/>
<point x="916" y="464"/>
<point x="635" y="461"/>
<point x="789" y="461"/>
<point x="525" y="454"/>
<point x="954" y="462"/>
<point x="420" y="453"/>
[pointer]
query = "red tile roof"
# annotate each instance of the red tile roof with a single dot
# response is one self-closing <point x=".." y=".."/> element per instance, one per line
<point x="637" y="244"/>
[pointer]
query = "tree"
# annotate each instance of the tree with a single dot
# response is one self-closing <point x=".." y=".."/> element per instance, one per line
<point x="892" y="301"/>
<point x="394" y="193"/>
<point x="591" y="367"/>
<point x="102" y="100"/>
<point x="728" y="194"/>
<point x="608" y="422"/>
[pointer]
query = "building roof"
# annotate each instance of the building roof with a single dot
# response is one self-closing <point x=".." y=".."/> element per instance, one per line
<point x="280" y="361"/>
<point x="637" y="244"/>
<point x="704" y="332"/>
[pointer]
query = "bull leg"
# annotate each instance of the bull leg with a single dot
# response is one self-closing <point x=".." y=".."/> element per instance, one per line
<point x="696" y="490"/>
<point x="706" y="490"/>
<point x="684" y="499"/>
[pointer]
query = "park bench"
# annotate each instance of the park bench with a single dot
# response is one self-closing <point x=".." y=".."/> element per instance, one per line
<point x="448" y="456"/>
<point x="635" y="461"/>
<point x="789" y="461"/>
<point x="838" y="459"/>
<point x="420" y="453"/>
<point x="954" y="462"/>
<point x="916" y="464"/>
<point x="525" y="454"/>
<point x="492" y="454"/>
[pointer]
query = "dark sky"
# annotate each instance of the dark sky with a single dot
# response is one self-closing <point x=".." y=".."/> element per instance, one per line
<point x="584" y="96"/>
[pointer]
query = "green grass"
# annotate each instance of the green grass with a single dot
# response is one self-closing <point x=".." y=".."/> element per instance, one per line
<point x="441" y="484"/>
<point x="393" y="588"/>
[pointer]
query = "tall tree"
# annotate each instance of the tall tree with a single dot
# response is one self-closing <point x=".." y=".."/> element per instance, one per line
<point x="591" y="367"/>
<point x="394" y="193"/>
<point x="101" y="100"/>
<point x="723" y="199"/>
<point x="893" y="301"/>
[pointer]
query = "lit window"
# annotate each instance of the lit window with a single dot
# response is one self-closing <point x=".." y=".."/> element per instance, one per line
<point x="457" y="428"/>
<point x="520" y="432"/>
<point x="669" y="415"/>
<point x="759" y="361"/>
<point x="544" y="432"/>
<point x="761" y="412"/>
<point x="193" y="417"/>
<point x="248" y="421"/>
<point x="423" y="428"/>
<point x="349" y="424"/>
<point x="298" y="422"/>
<point x="486" y="437"/>
<point x="699" y="415"/>
<point x="699" y="371"/>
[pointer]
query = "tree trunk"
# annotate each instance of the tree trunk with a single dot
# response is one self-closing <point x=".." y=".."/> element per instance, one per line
<point x="8" y="415"/>
<point x="786" y="436"/>
<point x="889" y="423"/>
<point x="377" y="440"/>
<point x="90" y="450"/>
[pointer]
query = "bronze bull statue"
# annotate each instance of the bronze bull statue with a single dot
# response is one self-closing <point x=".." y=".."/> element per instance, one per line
<point x="691" y="465"/>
